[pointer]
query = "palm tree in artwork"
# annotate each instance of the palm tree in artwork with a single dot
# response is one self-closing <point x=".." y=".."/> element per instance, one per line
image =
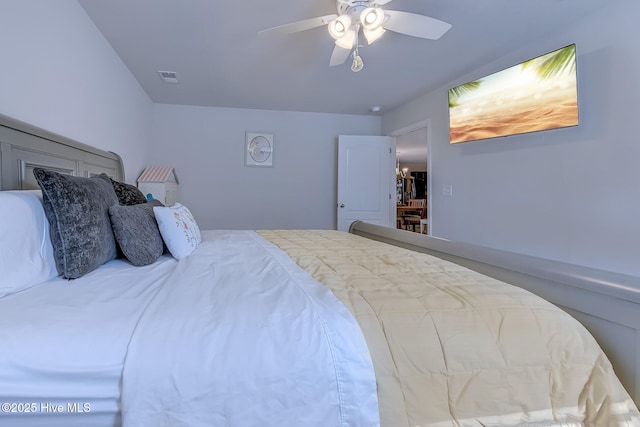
<point x="552" y="64"/>
<point x="456" y="92"/>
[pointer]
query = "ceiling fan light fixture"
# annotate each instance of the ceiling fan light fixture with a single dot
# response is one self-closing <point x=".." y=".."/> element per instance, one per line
<point x="368" y="16"/>
<point x="348" y="40"/>
<point x="372" y="18"/>
<point x="340" y="26"/>
<point x="373" y="35"/>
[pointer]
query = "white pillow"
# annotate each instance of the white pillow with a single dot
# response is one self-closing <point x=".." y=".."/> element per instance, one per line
<point x="178" y="229"/>
<point x="26" y="252"/>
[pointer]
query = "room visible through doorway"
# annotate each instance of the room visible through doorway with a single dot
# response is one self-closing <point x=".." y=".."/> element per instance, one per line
<point x="412" y="178"/>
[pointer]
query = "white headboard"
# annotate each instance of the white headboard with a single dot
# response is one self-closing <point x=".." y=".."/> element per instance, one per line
<point x="24" y="147"/>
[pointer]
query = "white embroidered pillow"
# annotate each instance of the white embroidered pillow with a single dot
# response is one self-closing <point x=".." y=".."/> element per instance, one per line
<point x="178" y="229"/>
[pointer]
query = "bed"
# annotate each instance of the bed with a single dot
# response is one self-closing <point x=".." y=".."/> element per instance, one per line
<point x="266" y="328"/>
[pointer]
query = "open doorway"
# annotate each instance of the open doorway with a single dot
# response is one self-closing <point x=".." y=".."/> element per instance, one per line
<point x="412" y="178"/>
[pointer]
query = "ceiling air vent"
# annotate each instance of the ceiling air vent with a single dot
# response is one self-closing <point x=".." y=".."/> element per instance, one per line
<point x="168" y="76"/>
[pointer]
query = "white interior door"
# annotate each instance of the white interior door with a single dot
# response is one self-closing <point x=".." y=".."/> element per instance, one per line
<point x="365" y="187"/>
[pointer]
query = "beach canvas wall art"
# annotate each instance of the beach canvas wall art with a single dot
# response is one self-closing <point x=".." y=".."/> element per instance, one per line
<point x="535" y="95"/>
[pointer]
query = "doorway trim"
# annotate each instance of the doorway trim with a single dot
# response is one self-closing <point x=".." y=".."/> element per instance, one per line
<point x="426" y="123"/>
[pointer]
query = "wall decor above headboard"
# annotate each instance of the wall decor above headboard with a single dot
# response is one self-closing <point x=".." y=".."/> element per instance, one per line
<point x="24" y="147"/>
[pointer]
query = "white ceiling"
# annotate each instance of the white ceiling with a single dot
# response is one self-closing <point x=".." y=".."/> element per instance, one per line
<point x="221" y="61"/>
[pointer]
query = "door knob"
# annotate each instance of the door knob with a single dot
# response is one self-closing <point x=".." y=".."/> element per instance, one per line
<point x="342" y="205"/>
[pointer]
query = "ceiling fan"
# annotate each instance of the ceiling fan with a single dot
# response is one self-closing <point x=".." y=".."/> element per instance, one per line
<point x="368" y="16"/>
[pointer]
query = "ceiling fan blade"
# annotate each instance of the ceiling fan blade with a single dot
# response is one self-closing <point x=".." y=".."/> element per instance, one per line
<point x="415" y="25"/>
<point x="295" y="27"/>
<point x="378" y="2"/>
<point x="339" y="56"/>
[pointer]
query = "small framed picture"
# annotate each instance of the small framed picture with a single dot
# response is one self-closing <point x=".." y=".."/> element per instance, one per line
<point x="258" y="149"/>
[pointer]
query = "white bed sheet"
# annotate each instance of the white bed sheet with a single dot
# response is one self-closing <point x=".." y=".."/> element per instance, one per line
<point x="64" y="343"/>
<point x="242" y="336"/>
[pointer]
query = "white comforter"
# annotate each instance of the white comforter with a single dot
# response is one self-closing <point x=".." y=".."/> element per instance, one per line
<point x="234" y="335"/>
<point x="248" y="340"/>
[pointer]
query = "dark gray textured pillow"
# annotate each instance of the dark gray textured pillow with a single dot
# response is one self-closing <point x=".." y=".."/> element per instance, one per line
<point x="127" y="193"/>
<point x="78" y="213"/>
<point x="137" y="232"/>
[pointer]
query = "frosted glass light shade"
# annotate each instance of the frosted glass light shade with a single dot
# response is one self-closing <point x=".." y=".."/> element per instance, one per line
<point x="373" y="35"/>
<point x="339" y="27"/>
<point x="347" y="41"/>
<point x="372" y="18"/>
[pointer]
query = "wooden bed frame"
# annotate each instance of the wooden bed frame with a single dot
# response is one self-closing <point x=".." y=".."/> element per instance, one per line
<point x="24" y="147"/>
<point x="608" y="304"/>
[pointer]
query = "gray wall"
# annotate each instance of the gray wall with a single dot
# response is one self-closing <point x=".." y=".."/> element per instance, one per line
<point x="58" y="72"/>
<point x="206" y="146"/>
<point x="571" y="194"/>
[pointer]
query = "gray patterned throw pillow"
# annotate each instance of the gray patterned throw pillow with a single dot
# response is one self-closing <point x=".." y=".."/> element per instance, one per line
<point x="137" y="232"/>
<point x="128" y="194"/>
<point x="78" y="212"/>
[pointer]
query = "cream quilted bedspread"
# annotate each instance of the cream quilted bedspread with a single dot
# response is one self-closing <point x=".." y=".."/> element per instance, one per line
<point x="452" y="347"/>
